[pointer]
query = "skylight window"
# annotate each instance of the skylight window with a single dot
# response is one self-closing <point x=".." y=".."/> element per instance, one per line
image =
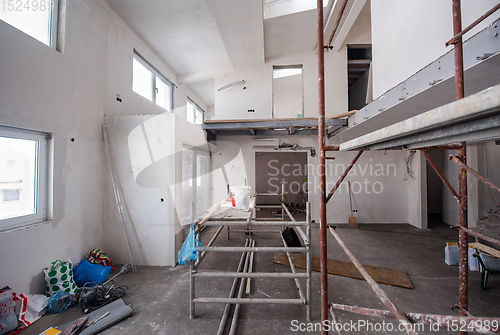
<point x="276" y="8"/>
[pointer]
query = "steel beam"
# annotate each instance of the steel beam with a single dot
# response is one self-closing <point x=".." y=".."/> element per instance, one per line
<point x="271" y="124"/>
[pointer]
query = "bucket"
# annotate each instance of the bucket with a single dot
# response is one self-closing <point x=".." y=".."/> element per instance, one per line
<point x="240" y="196"/>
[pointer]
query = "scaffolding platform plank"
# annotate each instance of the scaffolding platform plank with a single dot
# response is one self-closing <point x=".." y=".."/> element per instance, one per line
<point x="381" y="275"/>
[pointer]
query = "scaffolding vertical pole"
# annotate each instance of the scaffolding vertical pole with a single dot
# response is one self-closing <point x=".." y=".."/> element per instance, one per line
<point x="463" y="280"/>
<point x="321" y="167"/>
<point x="458" y="49"/>
<point x="309" y="262"/>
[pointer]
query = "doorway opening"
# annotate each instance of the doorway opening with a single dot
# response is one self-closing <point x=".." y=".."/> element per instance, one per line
<point x="288" y="92"/>
<point x="359" y="59"/>
<point x="274" y="169"/>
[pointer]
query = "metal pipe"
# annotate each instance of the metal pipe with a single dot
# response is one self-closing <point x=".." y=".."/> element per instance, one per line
<point x="117" y="195"/>
<point x="222" y="274"/>
<point x="375" y="287"/>
<point x="481" y="236"/>
<point x="282" y="201"/>
<point x="442" y="320"/>
<point x="334" y="321"/>
<point x="249" y="301"/>
<point x="455" y="38"/>
<point x="203" y="254"/>
<point x="321" y="167"/>
<point x="341" y="179"/>
<point x="250" y="270"/>
<point x="257" y="223"/>
<point x="475" y="173"/>
<point x="458" y="49"/>
<point x="308" y="263"/>
<point x="463" y="250"/>
<point x="294" y="271"/>
<point x="222" y="324"/>
<point x="236" y="312"/>
<point x="191" y="291"/>
<point x="301" y="232"/>
<point x="336" y="25"/>
<point x="258" y="249"/>
<point x="440" y="174"/>
<point x="256" y="231"/>
<point x="331" y="148"/>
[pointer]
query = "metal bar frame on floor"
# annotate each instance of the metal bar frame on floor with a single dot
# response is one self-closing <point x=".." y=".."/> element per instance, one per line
<point x="242" y="274"/>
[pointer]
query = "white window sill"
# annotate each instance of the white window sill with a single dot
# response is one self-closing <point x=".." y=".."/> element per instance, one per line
<point x="9" y="230"/>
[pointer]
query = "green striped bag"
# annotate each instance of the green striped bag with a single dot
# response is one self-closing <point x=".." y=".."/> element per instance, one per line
<point x="59" y="277"/>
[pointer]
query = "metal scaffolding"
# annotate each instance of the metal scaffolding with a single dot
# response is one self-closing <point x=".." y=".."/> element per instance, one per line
<point x="418" y="140"/>
<point x="224" y="216"/>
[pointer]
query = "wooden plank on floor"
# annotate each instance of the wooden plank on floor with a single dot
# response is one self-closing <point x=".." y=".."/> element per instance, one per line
<point x="381" y="275"/>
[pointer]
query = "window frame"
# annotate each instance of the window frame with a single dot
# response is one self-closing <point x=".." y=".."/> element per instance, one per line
<point x="41" y="178"/>
<point x="196" y="108"/>
<point x="53" y="18"/>
<point x="156" y="74"/>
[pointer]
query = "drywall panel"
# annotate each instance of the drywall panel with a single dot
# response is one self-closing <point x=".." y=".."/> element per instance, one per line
<point x="256" y="94"/>
<point x="143" y="155"/>
<point x="379" y="191"/>
<point x="417" y="191"/>
<point x="407" y="35"/>
<point x="63" y="94"/>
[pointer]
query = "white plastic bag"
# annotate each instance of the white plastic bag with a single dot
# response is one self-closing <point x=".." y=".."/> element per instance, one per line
<point x="8" y="318"/>
<point x="30" y="307"/>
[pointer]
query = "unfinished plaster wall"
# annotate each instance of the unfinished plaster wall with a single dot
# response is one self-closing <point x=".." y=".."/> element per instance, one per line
<point x="146" y="146"/>
<point x="379" y="191"/>
<point x="63" y="94"/>
<point x="407" y="35"/>
<point x="234" y="102"/>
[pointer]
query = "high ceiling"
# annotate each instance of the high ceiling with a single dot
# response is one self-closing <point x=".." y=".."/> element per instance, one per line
<point x="198" y="38"/>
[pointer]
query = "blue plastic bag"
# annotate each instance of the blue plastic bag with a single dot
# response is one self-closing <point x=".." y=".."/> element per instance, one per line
<point x="188" y="251"/>
<point x="89" y="274"/>
<point x="59" y="301"/>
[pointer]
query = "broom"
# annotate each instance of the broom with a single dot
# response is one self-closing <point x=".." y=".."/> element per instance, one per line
<point x="352" y="219"/>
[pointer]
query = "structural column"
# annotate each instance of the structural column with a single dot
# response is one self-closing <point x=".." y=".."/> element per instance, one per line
<point x="321" y="167"/>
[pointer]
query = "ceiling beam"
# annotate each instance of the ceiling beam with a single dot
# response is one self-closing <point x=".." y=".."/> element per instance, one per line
<point x="241" y="26"/>
<point x="195" y="77"/>
<point x="272" y="124"/>
<point x="346" y="26"/>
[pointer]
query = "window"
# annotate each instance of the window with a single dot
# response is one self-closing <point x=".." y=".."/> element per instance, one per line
<point x="150" y="84"/>
<point x="23" y="177"/>
<point x="37" y="18"/>
<point x="195" y="114"/>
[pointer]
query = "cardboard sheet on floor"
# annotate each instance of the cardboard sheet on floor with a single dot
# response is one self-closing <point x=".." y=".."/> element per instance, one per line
<point x="381" y="275"/>
<point x="117" y="312"/>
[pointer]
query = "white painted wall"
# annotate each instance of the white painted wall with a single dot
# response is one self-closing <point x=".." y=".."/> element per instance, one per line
<point x="234" y="102"/>
<point x="65" y="95"/>
<point x="388" y="205"/>
<point x="417" y="192"/>
<point x="407" y="35"/>
<point x="147" y="141"/>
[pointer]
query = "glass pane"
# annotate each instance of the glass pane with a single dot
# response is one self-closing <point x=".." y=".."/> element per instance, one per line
<point x="24" y="16"/>
<point x="18" y="177"/>
<point x="163" y="94"/>
<point x="202" y="184"/>
<point x="199" y="116"/>
<point x="142" y="80"/>
<point x="187" y="186"/>
<point x="190" y="111"/>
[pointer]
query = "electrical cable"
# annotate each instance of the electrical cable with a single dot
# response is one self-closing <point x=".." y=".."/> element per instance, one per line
<point x="95" y="297"/>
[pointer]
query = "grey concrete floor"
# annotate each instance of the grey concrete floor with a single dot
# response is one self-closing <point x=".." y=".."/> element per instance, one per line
<point x="159" y="295"/>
